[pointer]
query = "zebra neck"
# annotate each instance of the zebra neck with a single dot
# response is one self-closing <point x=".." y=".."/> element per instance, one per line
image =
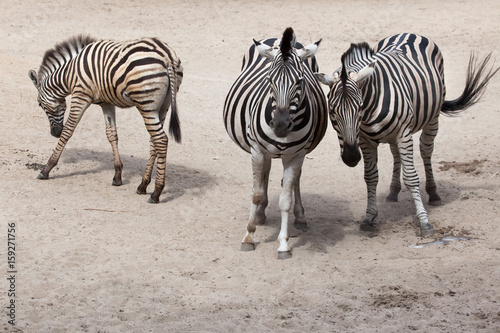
<point x="56" y="83"/>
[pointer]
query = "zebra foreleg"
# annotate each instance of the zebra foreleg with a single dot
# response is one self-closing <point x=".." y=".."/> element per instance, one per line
<point x="298" y="210"/>
<point x="291" y="175"/>
<point x="395" y="187"/>
<point x="110" y="119"/>
<point x="411" y="180"/>
<point x="371" y="179"/>
<point x="426" y="149"/>
<point x="79" y="104"/>
<point x="261" y="165"/>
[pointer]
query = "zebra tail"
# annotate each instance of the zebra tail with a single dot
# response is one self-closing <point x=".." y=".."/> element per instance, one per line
<point x="175" y="126"/>
<point x="475" y="84"/>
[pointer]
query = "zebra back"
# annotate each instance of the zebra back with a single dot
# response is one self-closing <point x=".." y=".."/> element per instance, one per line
<point x="408" y="80"/>
<point x="124" y="74"/>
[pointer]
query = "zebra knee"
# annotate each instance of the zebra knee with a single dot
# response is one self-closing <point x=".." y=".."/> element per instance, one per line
<point x="257" y="198"/>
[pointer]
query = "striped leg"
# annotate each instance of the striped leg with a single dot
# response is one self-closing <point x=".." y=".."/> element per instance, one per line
<point x="260" y="215"/>
<point x="146" y="178"/>
<point x="292" y="167"/>
<point x="160" y="141"/>
<point x="298" y="209"/>
<point x="411" y="180"/>
<point x="79" y="103"/>
<point x="395" y="187"/>
<point x="426" y="148"/>
<point x="111" y="133"/>
<point x="370" y="159"/>
<point x="261" y="165"/>
<point x="152" y="109"/>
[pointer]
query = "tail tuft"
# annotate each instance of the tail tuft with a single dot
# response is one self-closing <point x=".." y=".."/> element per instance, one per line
<point x="175" y="126"/>
<point x="475" y="84"/>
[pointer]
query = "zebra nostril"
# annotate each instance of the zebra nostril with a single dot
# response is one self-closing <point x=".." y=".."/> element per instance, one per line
<point x="271" y="124"/>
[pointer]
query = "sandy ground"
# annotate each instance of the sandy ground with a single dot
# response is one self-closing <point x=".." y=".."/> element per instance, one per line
<point x="91" y="257"/>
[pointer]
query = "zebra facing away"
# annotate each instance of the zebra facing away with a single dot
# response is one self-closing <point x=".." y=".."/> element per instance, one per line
<point x="384" y="96"/>
<point x="144" y="73"/>
<point x="276" y="109"/>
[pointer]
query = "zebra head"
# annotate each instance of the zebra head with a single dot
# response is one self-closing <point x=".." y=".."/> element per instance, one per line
<point x="286" y="80"/>
<point x="54" y="107"/>
<point x="49" y="81"/>
<point x="345" y="99"/>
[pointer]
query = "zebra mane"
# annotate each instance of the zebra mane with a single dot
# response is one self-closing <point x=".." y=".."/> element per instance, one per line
<point x="287" y="42"/>
<point x="355" y="58"/>
<point x="62" y="53"/>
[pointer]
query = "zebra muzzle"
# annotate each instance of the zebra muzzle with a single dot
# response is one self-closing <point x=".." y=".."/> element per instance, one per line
<point x="281" y="124"/>
<point x="56" y="131"/>
<point x="351" y="155"/>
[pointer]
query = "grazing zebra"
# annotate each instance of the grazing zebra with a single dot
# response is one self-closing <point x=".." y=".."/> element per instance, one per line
<point x="384" y="96"/>
<point x="276" y="109"/>
<point x="144" y="73"/>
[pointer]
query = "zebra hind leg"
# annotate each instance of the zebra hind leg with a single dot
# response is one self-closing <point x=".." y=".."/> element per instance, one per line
<point x="395" y="187"/>
<point x="153" y="108"/>
<point x="260" y="215"/>
<point x="426" y="148"/>
<point x="146" y="177"/>
<point x="411" y="180"/>
<point x="160" y="142"/>
<point x="298" y="209"/>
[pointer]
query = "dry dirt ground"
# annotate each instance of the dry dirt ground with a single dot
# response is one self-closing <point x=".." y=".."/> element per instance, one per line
<point x="91" y="257"/>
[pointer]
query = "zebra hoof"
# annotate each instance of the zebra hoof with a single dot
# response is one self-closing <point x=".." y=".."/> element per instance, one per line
<point x="300" y="225"/>
<point x="392" y="198"/>
<point x="367" y="226"/>
<point x="117" y="182"/>
<point x="152" y="200"/>
<point x="284" y="255"/>
<point x="42" y="176"/>
<point x="247" y="247"/>
<point x="260" y="219"/>
<point x="426" y="230"/>
<point x="435" y="202"/>
<point x="434" y="199"/>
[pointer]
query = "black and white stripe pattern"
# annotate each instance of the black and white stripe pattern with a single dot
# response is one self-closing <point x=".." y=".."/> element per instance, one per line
<point x="384" y="96"/>
<point x="144" y="73"/>
<point x="276" y="109"/>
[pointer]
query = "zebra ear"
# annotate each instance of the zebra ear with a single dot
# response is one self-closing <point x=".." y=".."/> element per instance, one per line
<point x="327" y="79"/>
<point x="364" y="73"/>
<point x="34" y="77"/>
<point x="309" y="50"/>
<point x="265" y="50"/>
